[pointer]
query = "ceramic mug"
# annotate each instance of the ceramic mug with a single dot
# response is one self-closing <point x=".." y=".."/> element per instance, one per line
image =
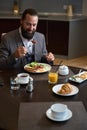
<point x="23" y="77"/>
<point x="58" y="110"/>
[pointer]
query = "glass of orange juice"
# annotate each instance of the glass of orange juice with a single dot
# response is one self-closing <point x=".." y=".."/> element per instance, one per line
<point x="52" y="77"/>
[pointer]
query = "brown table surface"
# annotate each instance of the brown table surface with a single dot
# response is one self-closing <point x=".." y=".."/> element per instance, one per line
<point x="10" y="100"/>
<point x="32" y="116"/>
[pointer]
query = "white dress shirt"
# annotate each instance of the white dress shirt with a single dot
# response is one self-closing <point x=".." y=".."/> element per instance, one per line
<point x="28" y="44"/>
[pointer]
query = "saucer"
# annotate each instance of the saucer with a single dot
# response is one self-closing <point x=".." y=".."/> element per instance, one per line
<point x="20" y="82"/>
<point x="67" y="117"/>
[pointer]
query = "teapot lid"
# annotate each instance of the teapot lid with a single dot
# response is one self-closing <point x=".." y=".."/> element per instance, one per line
<point x="63" y="67"/>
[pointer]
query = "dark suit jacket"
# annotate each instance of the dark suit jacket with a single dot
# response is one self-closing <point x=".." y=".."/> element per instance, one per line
<point x="11" y="41"/>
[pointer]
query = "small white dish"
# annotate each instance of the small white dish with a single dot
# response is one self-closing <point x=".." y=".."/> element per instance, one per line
<point x="76" y="79"/>
<point x="56" y="88"/>
<point x="67" y="117"/>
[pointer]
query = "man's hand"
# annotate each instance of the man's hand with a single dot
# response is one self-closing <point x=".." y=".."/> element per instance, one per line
<point x="20" y="52"/>
<point x="50" y="57"/>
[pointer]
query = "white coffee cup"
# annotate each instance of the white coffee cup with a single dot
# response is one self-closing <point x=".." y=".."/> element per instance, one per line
<point x="58" y="110"/>
<point x="23" y="77"/>
<point x="63" y="70"/>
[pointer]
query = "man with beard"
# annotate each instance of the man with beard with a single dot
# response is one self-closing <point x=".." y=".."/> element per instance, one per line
<point x="24" y="45"/>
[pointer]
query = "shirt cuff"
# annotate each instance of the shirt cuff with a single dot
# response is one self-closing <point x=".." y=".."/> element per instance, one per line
<point x="16" y="59"/>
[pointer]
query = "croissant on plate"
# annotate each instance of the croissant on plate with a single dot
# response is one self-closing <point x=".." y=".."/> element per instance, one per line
<point x="66" y="89"/>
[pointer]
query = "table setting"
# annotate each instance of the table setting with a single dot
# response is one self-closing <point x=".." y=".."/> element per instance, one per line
<point x="36" y="95"/>
<point x="52" y="113"/>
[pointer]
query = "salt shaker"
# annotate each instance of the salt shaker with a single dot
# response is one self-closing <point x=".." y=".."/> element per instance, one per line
<point x="29" y="87"/>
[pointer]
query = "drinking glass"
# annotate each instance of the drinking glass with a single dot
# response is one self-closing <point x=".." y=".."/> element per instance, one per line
<point x="14" y="85"/>
<point x="52" y="77"/>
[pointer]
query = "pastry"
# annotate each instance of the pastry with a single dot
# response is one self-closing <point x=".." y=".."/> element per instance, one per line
<point x="66" y="89"/>
<point x="83" y="76"/>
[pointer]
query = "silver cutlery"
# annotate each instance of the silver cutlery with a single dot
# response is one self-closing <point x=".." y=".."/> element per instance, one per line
<point x="80" y="71"/>
<point x="60" y="63"/>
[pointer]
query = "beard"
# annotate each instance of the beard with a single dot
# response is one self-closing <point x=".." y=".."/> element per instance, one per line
<point x="26" y="34"/>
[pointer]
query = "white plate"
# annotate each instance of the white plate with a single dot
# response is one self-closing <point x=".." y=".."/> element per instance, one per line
<point x="56" y="88"/>
<point x="67" y="117"/>
<point x="20" y="82"/>
<point x="77" y="79"/>
<point x="47" y="68"/>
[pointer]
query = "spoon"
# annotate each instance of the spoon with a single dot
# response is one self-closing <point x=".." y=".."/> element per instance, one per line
<point x="80" y="71"/>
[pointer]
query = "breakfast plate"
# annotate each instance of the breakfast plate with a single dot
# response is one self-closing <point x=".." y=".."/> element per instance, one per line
<point x="56" y="88"/>
<point x="67" y="117"/>
<point x="38" y="68"/>
<point x="79" y="78"/>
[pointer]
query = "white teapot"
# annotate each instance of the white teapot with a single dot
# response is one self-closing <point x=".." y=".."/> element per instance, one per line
<point x="63" y="70"/>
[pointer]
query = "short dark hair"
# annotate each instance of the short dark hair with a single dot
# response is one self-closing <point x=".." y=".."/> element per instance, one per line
<point x="30" y="11"/>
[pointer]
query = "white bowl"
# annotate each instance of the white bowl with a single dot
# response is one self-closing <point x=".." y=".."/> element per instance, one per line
<point x="58" y="110"/>
<point x="63" y="70"/>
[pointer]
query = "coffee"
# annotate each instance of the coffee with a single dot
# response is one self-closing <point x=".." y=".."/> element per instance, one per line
<point x="23" y="76"/>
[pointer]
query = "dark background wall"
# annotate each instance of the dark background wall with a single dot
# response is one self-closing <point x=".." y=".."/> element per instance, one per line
<point x="42" y="5"/>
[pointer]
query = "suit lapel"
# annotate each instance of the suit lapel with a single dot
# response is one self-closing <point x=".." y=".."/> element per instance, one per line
<point x="18" y="39"/>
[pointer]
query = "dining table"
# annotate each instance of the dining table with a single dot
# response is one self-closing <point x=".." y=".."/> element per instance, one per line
<point x="23" y="110"/>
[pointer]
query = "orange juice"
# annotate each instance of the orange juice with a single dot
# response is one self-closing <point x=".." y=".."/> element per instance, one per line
<point x="52" y="77"/>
